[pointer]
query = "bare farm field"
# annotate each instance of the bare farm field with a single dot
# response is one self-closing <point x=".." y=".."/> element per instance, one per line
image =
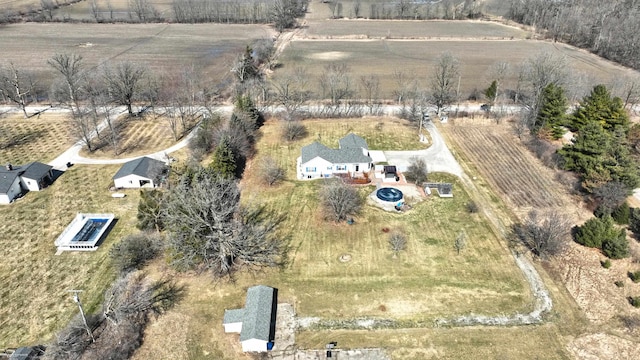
<point x="507" y="165"/>
<point x="162" y="47"/>
<point x="34" y="139"/>
<point x="417" y="57"/>
<point x="409" y="29"/>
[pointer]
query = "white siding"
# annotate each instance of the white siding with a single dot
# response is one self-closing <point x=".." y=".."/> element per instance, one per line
<point x="233" y="327"/>
<point x="30" y="184"/>
<point x="132" y="182"/>
<point x="254" y="345"/>
<point x="13" y="192"/>
<point x="316" y="168"/>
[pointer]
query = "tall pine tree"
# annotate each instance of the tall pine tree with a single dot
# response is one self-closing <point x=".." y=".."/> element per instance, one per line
<point x="601" y="107"/>
<point x="552" y="113"/>
<point x="224" y="161"/>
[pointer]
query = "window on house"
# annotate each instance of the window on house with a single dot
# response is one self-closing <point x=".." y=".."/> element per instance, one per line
<point x="329" y="167"/>
<point x="311" y="169"/>
<point x="341" y="167"/>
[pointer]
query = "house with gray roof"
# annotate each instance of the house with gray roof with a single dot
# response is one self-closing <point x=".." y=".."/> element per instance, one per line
<point x="256" y="322"/>
<point x="143" y="172"/>
<point x="17" y="180"/>
<point x="319" y="161"/>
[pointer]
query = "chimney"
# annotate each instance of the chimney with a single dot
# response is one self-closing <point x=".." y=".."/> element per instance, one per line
<point x="9" y="167"/>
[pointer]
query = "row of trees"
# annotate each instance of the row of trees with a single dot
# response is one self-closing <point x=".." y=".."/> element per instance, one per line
<point x="607" y="28"/>
<point x="282" y="13"/>
<point x="407" y="10"/>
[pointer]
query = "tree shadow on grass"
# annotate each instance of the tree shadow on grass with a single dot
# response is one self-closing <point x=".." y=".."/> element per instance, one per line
<point x="10" y="138"/>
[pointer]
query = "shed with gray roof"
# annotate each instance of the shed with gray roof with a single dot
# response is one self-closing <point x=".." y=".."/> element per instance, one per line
<point x="143" y="172"/>
<point x="256" y="321"/>
<point x="16" y="180"/>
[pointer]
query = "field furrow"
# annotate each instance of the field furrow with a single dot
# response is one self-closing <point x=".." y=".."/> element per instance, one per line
<point x="508" y="166"/>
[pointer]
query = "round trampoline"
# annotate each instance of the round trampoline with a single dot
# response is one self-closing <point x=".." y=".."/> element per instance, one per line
<point x="389" y="194"/>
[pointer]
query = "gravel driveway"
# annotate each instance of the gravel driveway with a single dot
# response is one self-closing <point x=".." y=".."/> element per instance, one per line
<point x="438" y="156"/>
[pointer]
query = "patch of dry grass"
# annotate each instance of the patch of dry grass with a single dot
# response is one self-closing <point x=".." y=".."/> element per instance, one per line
<point x="34" y="302"/>
<point x="138" y="136"/>
<point x="40" y="138"/>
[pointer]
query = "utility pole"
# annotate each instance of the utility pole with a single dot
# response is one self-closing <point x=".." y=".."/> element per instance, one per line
<point x="76" y="299"/>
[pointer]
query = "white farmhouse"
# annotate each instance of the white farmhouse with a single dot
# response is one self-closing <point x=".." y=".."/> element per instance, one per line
<point x="142" y="172"/>
<point x="318" y="161"/>
<point x="256" y="322"/>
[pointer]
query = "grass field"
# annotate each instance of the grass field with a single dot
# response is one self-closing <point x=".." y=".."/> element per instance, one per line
<point x="34" y="301"/>
<point x="35" y="139"/>
<point x="416" y="59"/>
<point x="425" y="282"/>
<point x="160" y="47"/>
<point x="412" y="29"/>
<point x="137" y="137"/>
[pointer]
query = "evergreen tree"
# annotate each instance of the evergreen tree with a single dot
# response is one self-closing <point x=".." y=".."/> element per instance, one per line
<point x="585" y="155"/>
<point x="601" y="107"/>
<point x="224" y="161"/>
<point x="491" y="92"/>
<point x="552" y="111"/>
<point x="596" y="231"/>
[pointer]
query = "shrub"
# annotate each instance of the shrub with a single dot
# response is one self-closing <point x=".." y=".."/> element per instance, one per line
<point x="472" y="207"/>
<point x="634" y="276"/>
<point x="293" y="130"/>
<point x="621" y="214"/>
<point x="339" y="200"/>
<point x="270" y="171"/>
<point x="634" y="301"/>
<point x="616" y="247"/>
<point x="595" y="231"/>
<point x="619" y="283"/>
<point x="134" y="251"/>
<point x="634" y="221"/>
<point x="606" y="263"/>
<point x="417" y="171"/>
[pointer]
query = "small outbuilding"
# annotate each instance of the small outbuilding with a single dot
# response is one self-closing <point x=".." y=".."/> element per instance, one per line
<point x="256" y="322"/>
<point x="143" y="172"/>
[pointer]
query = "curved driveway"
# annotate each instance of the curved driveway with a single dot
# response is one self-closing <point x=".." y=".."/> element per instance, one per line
<point x="438" y="157"/>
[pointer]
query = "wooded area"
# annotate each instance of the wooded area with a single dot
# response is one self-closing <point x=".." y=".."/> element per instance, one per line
<point x="608" y="28"/>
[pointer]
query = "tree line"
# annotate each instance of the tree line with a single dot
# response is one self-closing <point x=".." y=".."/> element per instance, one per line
<point x="607" y="28"/>
<point x="283" y="14"/>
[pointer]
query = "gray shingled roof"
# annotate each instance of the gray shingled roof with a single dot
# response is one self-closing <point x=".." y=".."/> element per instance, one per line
<point x="256" y="323"/>
<point x="353" y="141"/>
<point x="144" y="166"/>
<point x="7" y="178"/>
<point x="350" y="151"/>
<point x="233" y="316"/>
<point x="35" y="170"/>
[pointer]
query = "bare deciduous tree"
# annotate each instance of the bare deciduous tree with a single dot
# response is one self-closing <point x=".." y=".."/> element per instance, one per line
<point x="123" y="82"/>
<point x="398" y="242"/>
<point x="544" y="234"/>
<point x="335" y="82"/>
<point x="417" y="171"/>
<point x="70" y="67"/>
<point x="444" y="79"/>
<point x="536" y="73"/>
<point x="15" y="86"/>
<point x="371" y="88"/>
<point x="291" y="90"/>
<point x="339" y="200"/>
<point x="460" y="242"/>
<point x="209" y="229"/>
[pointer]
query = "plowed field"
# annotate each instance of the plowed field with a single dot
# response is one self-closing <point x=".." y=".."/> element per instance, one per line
<point x="509" y="167"/>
